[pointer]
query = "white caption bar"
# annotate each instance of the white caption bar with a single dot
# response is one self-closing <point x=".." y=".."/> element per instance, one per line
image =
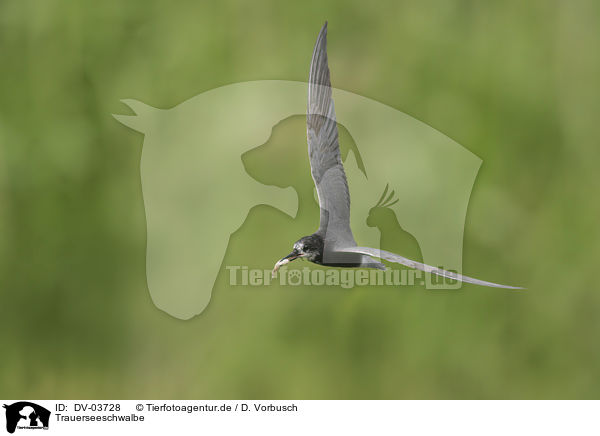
<point x="301" y="417"/>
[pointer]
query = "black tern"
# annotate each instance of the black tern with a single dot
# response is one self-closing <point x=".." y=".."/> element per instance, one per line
<point x="333" y="243"/>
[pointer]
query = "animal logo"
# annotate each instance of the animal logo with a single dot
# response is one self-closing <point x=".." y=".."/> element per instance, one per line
<point x="24" y="414"/>
<point x="198" y="190"/>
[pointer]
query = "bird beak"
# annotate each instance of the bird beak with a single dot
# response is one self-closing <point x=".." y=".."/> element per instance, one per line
<point x="287" y="259"/>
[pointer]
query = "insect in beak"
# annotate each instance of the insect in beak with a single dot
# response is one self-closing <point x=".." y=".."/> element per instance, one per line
<point x="295" y="254"/>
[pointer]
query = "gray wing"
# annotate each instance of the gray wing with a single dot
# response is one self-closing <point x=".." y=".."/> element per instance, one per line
<point x="386" y="255"/>
<point x="324" y="152"/>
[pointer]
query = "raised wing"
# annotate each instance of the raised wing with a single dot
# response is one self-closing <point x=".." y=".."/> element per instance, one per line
<point x="324" y="152"/>
<point x="386" y="255"/>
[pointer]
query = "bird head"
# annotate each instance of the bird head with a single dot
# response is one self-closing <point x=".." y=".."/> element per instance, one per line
<point x="381" y="210"/>
<point x="307" y="247"/>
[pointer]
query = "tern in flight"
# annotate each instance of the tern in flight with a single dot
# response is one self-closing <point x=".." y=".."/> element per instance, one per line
<point x="333" y="243"/>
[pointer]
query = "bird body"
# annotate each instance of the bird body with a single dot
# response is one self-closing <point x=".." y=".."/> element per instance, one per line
<point x="333" y="243"/>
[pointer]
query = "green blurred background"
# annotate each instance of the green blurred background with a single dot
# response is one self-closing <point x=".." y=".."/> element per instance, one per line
<point x="516" y="83"/>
